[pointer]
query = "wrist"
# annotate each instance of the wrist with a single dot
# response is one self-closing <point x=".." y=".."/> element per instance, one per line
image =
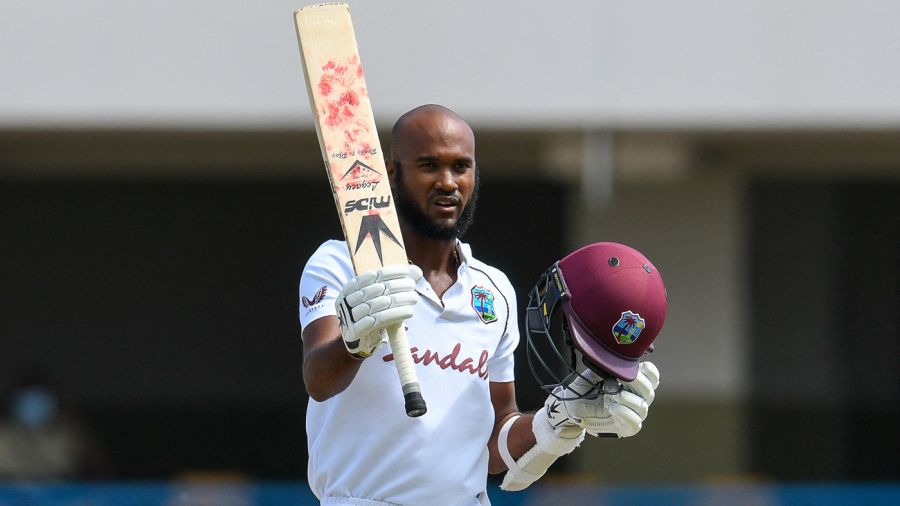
<point x="355" y="358"/>
<point x="349" y="355"/>
<point x="356" y="349"/>
<point x="555" y="440"/>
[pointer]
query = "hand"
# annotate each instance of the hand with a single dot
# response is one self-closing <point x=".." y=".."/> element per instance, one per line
<point x="621" y="414"/>
<point x="373" y="301"/>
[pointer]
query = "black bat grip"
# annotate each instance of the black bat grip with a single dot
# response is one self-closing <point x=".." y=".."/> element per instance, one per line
<point x="415" y="404"/>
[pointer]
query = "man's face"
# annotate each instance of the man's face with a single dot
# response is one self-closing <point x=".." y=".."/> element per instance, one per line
<point x="434" y="176"/>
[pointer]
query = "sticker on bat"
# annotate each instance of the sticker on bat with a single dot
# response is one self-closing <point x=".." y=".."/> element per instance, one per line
<point x="365" y="151"/>
<point x="367" y="204"/>
<point x="372" y="226"/>
<point x="360" y="176"/>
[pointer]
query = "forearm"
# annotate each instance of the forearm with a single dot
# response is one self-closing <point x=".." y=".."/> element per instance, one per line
<point x="519" y="440"/>
<point x="526" y="445"/>
<point x="328" y="369"/>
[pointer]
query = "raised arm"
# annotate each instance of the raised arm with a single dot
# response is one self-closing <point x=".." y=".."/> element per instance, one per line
<point x="525" y="445"/>
<point x="328" y="368"/>
<point x="335" y="346"/>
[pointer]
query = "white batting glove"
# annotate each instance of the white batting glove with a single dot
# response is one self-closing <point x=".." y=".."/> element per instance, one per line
<point x="621" y="414"/>
<point x="373" y="301"/>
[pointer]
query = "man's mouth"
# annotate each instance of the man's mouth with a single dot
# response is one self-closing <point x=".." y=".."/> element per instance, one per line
<point x="446" y="202"/>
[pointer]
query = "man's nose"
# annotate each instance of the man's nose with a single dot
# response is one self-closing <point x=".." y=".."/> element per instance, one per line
<point x="446" y="180"/>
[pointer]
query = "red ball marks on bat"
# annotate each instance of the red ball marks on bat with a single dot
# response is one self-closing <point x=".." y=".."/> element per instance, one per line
<point x="349" y="97"/>
<point x="333" y="119"/>
<point x="325" y="85"/>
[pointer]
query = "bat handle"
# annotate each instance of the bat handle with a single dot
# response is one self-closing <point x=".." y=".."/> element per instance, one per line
<point x="406" y="369"/>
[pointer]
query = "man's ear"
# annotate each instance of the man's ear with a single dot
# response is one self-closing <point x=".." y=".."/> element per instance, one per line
<point x="389" y="165"/>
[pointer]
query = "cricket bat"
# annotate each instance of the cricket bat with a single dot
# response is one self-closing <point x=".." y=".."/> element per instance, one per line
<point x="353" y="159"/>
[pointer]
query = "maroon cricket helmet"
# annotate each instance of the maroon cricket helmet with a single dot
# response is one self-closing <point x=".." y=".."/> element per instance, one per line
<point x="614" y="304"/>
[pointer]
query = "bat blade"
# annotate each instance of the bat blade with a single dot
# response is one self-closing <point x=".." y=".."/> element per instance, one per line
<point x="355" y="165"/>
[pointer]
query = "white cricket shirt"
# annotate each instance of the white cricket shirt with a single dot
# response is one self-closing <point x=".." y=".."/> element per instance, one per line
<point x="362" y="444"/>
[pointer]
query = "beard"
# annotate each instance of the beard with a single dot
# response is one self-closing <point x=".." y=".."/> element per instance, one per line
<point x="414" y="216"/>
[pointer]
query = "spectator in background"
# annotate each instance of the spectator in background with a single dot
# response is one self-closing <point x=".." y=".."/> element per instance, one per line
<point x="42" y="438"/>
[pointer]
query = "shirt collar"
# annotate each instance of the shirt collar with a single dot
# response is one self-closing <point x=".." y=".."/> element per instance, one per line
<point x="465" y="253"/>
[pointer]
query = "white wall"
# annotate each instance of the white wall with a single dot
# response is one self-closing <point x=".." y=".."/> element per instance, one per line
<point x="230" y="63"/>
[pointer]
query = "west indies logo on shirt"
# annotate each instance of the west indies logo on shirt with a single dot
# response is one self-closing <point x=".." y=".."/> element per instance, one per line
<point x="483" y="304"/>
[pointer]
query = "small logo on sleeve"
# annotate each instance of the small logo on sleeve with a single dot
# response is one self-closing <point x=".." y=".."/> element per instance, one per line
<point x="628" y="328"/>
<point x="317" y="298"/>
<point x="483" y="304"/>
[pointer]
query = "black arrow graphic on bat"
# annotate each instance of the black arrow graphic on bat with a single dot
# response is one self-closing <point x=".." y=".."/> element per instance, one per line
<point x="372" y="225"/>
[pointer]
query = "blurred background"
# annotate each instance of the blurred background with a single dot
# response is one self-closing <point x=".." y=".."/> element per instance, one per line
<point x="161" y="188"/>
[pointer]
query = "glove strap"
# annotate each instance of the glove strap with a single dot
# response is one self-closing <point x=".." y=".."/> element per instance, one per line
<point x="503" y="445"/>
<point x="535" y="462"/>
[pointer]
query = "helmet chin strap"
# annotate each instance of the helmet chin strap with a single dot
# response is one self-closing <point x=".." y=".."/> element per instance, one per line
<point x="567" y="333"/>
<point x="567" y="336"/>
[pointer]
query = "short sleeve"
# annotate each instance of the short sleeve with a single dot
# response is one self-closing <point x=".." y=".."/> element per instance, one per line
<point x="326" y="272"/>
<point x="501" y="367"/>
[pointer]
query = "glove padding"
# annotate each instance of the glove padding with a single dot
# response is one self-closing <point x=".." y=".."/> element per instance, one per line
<point x="621" y="414"/>
<point x="374" y="301"/>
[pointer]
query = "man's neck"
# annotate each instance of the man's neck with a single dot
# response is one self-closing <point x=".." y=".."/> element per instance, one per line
<point x="432" y="254"/>
<point x="438" y="258"/>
